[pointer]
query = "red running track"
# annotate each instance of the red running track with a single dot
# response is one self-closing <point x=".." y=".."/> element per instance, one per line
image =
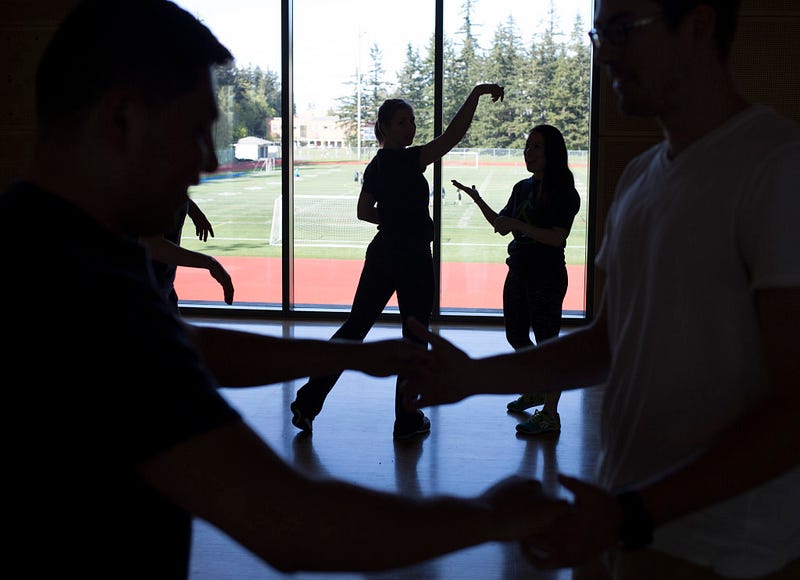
<point x="467" y="285"/>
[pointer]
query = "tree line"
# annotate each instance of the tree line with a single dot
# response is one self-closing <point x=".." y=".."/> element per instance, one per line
<point x="546" y="78"/>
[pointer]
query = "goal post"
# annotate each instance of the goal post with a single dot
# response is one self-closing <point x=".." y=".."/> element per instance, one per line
<point x="323" y="221"/>
<point x="265" y="165"/>
<point x="462" y="158"/>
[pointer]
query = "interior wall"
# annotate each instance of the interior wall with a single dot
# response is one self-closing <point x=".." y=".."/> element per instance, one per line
<point x="764" y="61"/>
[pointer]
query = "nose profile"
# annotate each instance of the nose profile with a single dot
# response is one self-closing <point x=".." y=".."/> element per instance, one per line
<point x="210" y="161"/>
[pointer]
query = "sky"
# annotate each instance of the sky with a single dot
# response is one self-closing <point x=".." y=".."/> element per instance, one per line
<point x="344" y="30"/>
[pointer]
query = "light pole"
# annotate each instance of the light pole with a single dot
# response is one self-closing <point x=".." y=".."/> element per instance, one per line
<point x="358" y="95"/>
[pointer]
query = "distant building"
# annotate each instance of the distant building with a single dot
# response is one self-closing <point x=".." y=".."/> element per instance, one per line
<point x="315" y="131"/>
<point x="254" y="148"/>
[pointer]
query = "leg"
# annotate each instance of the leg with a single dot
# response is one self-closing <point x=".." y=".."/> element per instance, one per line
<point x="415" y="288"/>
<point x="546" y="299"/>
<point x="545" y="296"/>
<point x="516" y="319"/>
<point x="372" y="294"/>
<point x="516" y="316"/>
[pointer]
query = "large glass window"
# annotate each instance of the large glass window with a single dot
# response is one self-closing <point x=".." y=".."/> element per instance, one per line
<point x="347" y="57"/>
<point x="540" y="53"/>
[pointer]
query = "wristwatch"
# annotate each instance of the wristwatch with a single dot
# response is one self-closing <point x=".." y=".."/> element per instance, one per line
<point x="636" y="531"/>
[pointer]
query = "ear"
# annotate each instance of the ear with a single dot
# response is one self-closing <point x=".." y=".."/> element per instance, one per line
<point x="114" y="118"/>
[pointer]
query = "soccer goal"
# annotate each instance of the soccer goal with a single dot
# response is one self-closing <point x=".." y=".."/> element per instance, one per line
<point x="463" y="158"/>
<point x="323" y="221"/>
<point x="265" y="165"/>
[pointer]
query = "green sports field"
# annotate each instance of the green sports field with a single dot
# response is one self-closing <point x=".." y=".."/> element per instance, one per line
<point x="241" y="207"/>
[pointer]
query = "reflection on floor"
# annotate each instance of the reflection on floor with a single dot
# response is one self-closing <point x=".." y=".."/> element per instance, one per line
<point x="472" y="444"/>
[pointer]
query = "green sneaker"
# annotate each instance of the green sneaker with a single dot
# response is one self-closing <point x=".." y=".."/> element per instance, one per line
<point x="540" y="422"/>
<point x="526" y="402"/>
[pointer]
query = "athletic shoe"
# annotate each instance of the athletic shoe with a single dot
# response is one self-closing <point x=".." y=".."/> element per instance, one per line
<point x="540" y="422"/>
<point x="424" y="426"/>
<point x="300" y="419"/>
<point x="526" y="402"/>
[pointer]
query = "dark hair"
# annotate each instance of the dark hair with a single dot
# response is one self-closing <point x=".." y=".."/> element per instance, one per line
<point x="152" y="46"/>
<point x="386" y="112"/>
<point x="727" y="13"/>
<point x="557" y="174"/>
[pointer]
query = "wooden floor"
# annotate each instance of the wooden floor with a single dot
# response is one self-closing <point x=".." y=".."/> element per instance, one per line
<point x="471" y="445"/>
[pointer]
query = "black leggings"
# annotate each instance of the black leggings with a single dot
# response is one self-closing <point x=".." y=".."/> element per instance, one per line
<point x="387" y="270"/>
<point x="533" y="301"/>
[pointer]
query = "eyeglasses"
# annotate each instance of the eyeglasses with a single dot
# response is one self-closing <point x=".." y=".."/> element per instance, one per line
<point x="617" y="32"/>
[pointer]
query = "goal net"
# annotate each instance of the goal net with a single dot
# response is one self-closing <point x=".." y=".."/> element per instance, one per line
<point x="323" y="220"/>
<point x="265" y="165"/>
<point x="465" y="158"/>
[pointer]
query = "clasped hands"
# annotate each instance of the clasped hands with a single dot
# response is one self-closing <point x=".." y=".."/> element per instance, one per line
<point x="566" y="533"/>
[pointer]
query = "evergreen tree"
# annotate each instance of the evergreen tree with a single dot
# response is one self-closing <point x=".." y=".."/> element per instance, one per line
<point x="575" y="73"/>
<point x="413" y="84"/>
<point x="504" y="126"/>
<point x="545" y="54"/>
<point x="360" y="105"/>
<point x="465" y="69"/>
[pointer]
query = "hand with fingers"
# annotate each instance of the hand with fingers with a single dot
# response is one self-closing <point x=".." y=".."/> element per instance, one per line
<point x="202" y="225"/>
<point x="493" y="89"/>
<point x="522" y="508"/>
<point x="470" y="191"/>
<point x="589" y="527"/>
<point x="448" y="374"/>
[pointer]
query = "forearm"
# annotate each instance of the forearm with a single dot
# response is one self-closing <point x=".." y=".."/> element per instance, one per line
<point x="243" y="359"/>
<point x="369" y="215"/>
<point x="461" y="121"/>
<point x="487" y="211"/>
<point x="548" y="236"/>
<point x="361" y="530"/>
<point x="166" y="252"/>
<point x="576" y="360"/>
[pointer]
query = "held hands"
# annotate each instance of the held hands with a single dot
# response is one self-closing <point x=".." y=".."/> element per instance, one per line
<point x="521" y="509"/>
<point x="449" y="371"/>
<point x="495" y="90"/>
<point x="383" y="358"/>
<point x="591" y="526"/>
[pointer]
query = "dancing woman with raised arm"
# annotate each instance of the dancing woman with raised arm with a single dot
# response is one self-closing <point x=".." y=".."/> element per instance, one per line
<point x="394" y="195"/>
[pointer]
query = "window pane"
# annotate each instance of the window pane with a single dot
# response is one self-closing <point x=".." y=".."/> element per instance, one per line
<point x="544" y="63"/>
<point x="239" y="198"/>
<point x="347" y="58"/>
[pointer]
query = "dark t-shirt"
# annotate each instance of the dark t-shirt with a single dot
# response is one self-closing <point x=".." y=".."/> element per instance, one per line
<point x="99" y="375"/>
<point x="397" y="182"/>
<point x="558" y="210"/>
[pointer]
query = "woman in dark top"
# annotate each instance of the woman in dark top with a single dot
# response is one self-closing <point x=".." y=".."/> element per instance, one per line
<point x="394" y="195"/>
<point x="539" y="214"/>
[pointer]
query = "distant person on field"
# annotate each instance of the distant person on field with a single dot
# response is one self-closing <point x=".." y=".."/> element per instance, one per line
<point x="539" y="216"/>
<point x="119" y="435"/>
<point x="167" y="254"/>
<point x="395" y="197"/>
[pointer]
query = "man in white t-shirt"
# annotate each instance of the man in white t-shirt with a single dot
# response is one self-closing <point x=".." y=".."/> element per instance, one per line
<point x="695" y="338"/>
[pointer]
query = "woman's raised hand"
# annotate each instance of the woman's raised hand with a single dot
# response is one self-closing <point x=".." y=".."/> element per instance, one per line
<point x="495" y="90"/>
